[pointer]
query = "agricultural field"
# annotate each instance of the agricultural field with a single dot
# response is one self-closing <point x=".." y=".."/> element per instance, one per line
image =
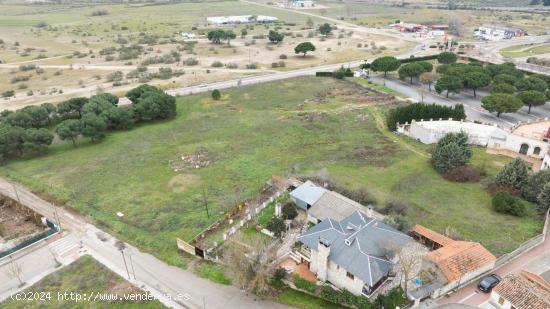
<point x="157" y="173"/>
<point x="84" y="276"/>
<point x="525" y="50"/>
<point x="114" y="47"/>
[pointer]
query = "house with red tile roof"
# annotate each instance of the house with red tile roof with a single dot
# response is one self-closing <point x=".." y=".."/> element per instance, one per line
<point x="521" y="291"/>
<point x="455" y="261"/>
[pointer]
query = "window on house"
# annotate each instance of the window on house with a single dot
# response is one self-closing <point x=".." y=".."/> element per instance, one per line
<point x="536" y="152"/>
<point x="349" y="275"/>
<point x="501" y="301"/>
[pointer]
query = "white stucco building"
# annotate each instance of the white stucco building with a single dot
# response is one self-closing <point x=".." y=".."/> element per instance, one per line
<point x="240" y="19"/>
<point x="529" y="140"/>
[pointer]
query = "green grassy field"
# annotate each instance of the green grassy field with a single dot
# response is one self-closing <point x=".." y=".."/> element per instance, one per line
<point x="525" y="50"/>
<point x="301" y="300"/>
<point x="302" y="125"/>
<point x="85" y="276"/>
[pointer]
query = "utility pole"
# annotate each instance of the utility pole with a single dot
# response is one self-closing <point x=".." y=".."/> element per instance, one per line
<point x="125" y="265"/>
<point x="16" y="193"/>
<point x="205" y="201"/>
<point x="121" y="246"/>
<point x="132" y="265"/>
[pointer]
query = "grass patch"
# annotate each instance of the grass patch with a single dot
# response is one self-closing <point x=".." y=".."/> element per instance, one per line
<point x="258" y="131"/>
<point x="212" y="272"/>
<point x="301" y="300"/>
<point x="375" y="86"/>
<point x="525" y="50"/>
<point x="85" y="276"/>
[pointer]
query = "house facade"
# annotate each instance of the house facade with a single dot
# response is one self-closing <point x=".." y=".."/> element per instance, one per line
<point x="353" y="254"/>
<point x="497" y="33"/>
<point x="528" y="140"/>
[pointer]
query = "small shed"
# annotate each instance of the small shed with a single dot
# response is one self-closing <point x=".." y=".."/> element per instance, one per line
<point x="307" y="194"/>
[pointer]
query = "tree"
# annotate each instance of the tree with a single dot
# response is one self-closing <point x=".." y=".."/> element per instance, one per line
<point x="535" y="184"/>
<point x="426" y="66"/>
<point x="155" y="105"/>
<point x="229" y="35"/>
<point x="216" y="36"/>
<point x="451" y="84"/>
<point x="289" y="211"/>
<point x="135" y="94"/>
<point x="544" y="197"/>
<point x="20" y="119"/>
<point x="11" y="142"/>
<point x="119" y="118"/>
<point x="72" y="108"/>
<point x="504" y="202"/>
<point x="428" y="78"/>
<point x="532" y="98"/>
<point x="385" y="64"/>
<point x="40" y="116"/>
<point x="476" y="80"/>
<point x="514" y="174"/>
<point x="501" y="103"/>
<point x="447" y="58"/>
<point x="303" y="48"/>
<point x="408" y="262"/>
<point x="531" y="83"/>
<point x="503" y="88"/>
<point x="93" y="127"/>
<point x="325" y="29"/>
<point x="111" y="98"/>
<point x="277" y="226"/>
<point x="410" y="70"/>
<point x="251" y="265"/>
<point x="505" y="78"/>
<point x="216" y="94"/>
<point x="97" y="106"/>
<point x="451" y="151"/>
<point x="14" y="270"/>
<point x="36" y="141"/>
<point x="69" y="129"/>
<point x="275" y="37"/>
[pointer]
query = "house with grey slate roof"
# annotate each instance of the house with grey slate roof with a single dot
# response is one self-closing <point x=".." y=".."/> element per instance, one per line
<point x="354" y="253"/>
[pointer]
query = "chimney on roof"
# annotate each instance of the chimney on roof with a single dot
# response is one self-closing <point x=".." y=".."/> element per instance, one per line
<point x="323" y="251"/>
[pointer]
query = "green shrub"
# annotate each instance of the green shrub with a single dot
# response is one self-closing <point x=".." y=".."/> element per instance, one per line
<point x="419" y="111"/>
<point x="303" y="284"/>
<point x="277" y="226"/>
<point x="504" y="202"/>
<point x="289" y="211"/>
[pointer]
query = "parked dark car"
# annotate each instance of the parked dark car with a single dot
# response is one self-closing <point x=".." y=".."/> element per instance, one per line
<point x="489" y="282"/>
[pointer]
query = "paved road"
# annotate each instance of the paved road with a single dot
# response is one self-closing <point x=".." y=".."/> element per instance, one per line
<point x="472" y="105"/>
<point x="175" y="287"/>
<point x="534" y="259"/>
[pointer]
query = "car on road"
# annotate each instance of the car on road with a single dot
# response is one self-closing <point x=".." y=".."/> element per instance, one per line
<point x="488" y="283"/>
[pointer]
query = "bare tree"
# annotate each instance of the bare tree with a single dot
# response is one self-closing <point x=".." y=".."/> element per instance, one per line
<point x="428" y="78"/>
<point x="15" y="271"/>
<point x="408" y="261"/>
<point x="251" y="264"/>
<point x="455" y="26"/>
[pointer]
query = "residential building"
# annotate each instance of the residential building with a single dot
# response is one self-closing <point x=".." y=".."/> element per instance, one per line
<point x="302" y="3"/>
<point x="530" y="141"/>
<point x="521" y="291"/>
<point x="455" y="261"/>
<point x="320" y="203"/>
<point x="353" y="254"/>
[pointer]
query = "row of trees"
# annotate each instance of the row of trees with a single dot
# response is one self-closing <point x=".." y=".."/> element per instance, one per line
<point x="417" y="111"/>
<point x="27" y="132"/>
<point x="216" y="36"/>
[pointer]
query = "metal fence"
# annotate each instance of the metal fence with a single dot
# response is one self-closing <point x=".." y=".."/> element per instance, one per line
<point x="52" y="229"/>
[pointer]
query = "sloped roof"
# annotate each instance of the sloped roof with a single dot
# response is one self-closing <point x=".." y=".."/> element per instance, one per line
<point x="525" y="291"/>
<point x="362" y="246"/>
<point x="459" y="258"/>
<point x="431" y="235"/>
<point x="335" y="206"/>
<point x="308" y="192"/>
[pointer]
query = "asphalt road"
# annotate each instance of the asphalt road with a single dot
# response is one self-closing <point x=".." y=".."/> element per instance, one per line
<point x="174" y="286"/>
<point x="472" y="105"/>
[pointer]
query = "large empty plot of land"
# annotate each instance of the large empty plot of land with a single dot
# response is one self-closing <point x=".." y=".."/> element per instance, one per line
<point x="156" y="174"/>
